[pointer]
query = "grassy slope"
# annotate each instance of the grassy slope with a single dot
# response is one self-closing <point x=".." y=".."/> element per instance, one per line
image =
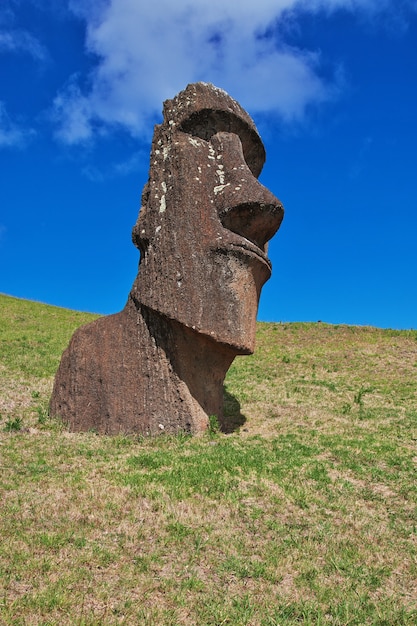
<point x="306" y="515"/>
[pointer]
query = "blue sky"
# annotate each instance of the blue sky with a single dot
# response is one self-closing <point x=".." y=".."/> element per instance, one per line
<point x="331" y="85"/>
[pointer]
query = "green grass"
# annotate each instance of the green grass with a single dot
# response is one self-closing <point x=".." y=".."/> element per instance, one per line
<point x="306" y="514"/>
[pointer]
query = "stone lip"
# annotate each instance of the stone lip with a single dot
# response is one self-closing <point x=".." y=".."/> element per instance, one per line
<point x="159" y="365"/>
<point x="247" y="250"/>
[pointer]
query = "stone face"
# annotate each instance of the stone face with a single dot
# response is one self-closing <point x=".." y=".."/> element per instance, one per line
<point x="202" y="231"/>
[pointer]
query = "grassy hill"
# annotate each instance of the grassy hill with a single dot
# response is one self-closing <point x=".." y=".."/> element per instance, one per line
<point x="305" y="513"/>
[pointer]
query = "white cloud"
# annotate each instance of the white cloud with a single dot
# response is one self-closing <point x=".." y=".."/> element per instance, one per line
<point x="16" y="41"/>
<point x="148" y="51"/>
<point x="11" y="135"/>
<point x="74" y="113"/>
<point x="132" y="164"/>
<point x="22" y="41"/>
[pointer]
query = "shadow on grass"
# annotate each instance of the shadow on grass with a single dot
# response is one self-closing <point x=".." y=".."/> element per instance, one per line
<point x="233" y="418"/>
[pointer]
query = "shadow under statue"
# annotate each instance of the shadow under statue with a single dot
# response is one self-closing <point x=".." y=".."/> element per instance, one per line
<point x="202" y="231"/>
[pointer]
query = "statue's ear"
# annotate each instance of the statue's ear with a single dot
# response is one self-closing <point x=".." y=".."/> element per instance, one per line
<point x="140" y="235"/>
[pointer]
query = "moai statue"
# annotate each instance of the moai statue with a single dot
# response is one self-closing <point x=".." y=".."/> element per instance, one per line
<point x="202" y="231"/>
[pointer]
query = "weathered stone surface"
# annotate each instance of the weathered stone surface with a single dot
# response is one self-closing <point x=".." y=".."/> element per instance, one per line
<point x="202" y="231"/>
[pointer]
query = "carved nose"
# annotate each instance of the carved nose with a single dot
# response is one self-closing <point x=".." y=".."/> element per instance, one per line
<point x="256" y="222"/>
<point x="244" y="205"/>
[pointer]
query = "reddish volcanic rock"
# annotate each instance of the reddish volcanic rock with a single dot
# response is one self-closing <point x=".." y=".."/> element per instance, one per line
<point x="202" y="231"/>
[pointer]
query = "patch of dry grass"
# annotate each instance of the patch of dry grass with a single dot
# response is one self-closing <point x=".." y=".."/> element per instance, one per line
<point x="306" y="515"/>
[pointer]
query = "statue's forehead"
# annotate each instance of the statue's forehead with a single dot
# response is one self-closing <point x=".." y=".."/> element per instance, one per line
<point x="204" y="110"/>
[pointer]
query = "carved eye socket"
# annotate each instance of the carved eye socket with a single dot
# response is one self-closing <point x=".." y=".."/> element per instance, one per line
<point x="208" y="122"/>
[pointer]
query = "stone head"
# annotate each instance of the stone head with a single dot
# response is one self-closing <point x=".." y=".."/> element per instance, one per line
<point x="205" y="219"/>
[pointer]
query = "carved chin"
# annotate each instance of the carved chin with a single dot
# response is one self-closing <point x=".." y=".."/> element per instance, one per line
<point x="217" y="296"/>
<point x="229" y="304"/>
<point x="239" y="290"/>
